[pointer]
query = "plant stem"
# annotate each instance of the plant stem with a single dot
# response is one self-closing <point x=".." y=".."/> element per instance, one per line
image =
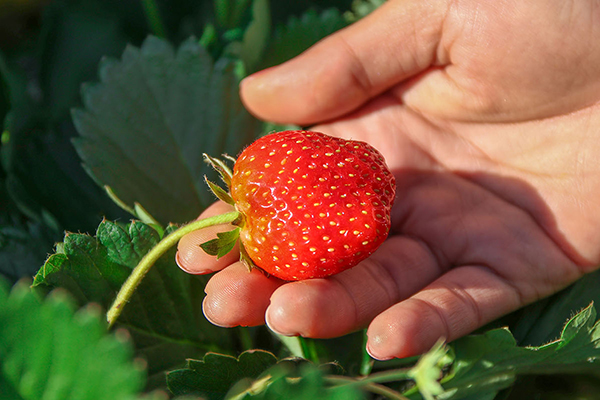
<point x="310" y="350"/>
<point x="246" y="338"/>
<point x="366" y="365"/>
<point x="388" y="376"/>
<point x="138" y="273"/>
<point x="371" y="387"/>
<point x="153" y="18"/>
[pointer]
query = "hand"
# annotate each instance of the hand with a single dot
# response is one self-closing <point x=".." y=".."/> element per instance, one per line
<point x="488" y="114"/>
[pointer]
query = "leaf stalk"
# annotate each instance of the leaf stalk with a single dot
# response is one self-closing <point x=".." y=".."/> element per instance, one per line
<point x="368" y="386"/>
<point x="153" y="17"/>
<point x="140" y="271"/>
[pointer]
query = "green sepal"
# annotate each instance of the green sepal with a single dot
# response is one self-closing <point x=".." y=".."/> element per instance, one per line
<point x="222" y="168"/>
<point x="219" y="192"/>
<point x="428" y="370"/>
<point x="245" y="258"/>
<point x="223" y="244"/>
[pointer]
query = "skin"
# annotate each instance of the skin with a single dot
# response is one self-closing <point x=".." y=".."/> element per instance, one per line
<point x="488" y="113"/>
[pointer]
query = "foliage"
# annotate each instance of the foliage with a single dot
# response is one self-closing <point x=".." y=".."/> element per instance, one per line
<point x="161" y="88"/>
<point x="164" y="317"/>
<point x="150" y="119"/>
<point x="50" y="352"/>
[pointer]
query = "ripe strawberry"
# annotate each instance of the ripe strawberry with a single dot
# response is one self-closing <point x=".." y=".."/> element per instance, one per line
<point x="312" y="205"/>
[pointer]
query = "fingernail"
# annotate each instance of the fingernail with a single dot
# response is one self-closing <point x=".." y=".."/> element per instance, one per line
<point x="373" y="355"/>
<point x="198" y="272"/>
<point x="373" y="342"/>
<point x="178" y="262"/>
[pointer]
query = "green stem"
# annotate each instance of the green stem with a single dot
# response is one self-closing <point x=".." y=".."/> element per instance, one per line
<point x="153" y="18"/>
<point x="388" y="376"/>
<point x="246" y="338"/>
<point x="309" y="348"/>
<point x="366" y="365"/>
<point x="138" y="273"/>
<point x="371" y="387"/>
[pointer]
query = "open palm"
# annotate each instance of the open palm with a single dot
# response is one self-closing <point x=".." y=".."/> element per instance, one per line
<point x="487" y="116"/>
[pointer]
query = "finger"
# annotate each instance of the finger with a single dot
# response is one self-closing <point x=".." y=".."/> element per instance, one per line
<point x="238" y="297"/>
<point x="190" y="256"/>
<point x="325" y="308"/>
<point x="454" y="305"/>
<point x="344" y="70"/>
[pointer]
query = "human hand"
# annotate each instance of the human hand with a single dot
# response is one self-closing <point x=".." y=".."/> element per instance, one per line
<point x="488" y="115"/>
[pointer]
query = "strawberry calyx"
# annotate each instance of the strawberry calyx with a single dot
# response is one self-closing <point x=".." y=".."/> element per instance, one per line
<point x="225" y="173"/>
<point x="225" y="241"/>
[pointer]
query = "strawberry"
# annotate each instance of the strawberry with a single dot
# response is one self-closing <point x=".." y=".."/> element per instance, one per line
<point x="312" y="205"/>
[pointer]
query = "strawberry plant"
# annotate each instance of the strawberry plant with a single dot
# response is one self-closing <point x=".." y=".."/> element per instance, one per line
<point x="108" y="108"/>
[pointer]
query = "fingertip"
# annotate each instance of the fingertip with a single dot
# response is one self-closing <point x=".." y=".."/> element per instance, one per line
<point x="384" y="342"/>
<point x="316" y="308"/>
<point x="193" y="259"/>
<point x="238" y="297"/>
<point x="190" y="256"/>
<point x="182" y="259"/>
<point x="405" y="330"/>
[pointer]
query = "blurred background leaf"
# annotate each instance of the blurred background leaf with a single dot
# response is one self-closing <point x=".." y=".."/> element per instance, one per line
<point x="299" y="33"/>
<point x="146" y="125"/>
<point x="49" y="352"/>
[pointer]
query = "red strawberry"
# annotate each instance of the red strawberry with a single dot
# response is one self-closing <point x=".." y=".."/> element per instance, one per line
<point x="312" y="205"/>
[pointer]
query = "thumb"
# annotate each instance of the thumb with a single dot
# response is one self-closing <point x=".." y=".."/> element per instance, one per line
<point x="346" y="69"/>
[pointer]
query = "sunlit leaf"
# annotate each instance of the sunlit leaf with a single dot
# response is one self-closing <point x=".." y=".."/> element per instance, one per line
<point x="154" y="113"/>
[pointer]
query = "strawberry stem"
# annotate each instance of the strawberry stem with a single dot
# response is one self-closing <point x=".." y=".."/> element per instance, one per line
<point x="368" y="386"/>
<point x="138" y="273"/>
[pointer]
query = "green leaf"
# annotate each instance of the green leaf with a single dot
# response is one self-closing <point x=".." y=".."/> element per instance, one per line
<point x="138" y="211"/>
<point x="145" y="126"/>
<point x="13" y="82"/>
<point x="347" y="350"/>
<point x="152" y="12"/>
<point x="217" y="373"/>
<point x="282" y="11"/>
<point x="555" y="387"/>
<point x="164" y="315"/>
<point x="256" y="374"/>
<point x="223" y="244"/>
<point x="23" y="247"/>
<point x="49" y="352"/>
<point x="67" y="61"/>
<point x="310" y="384"/>
<point x="209" y="36"/>
<point x="44" y="177"/>
<point x="230" y="13"/>
<point x="362" y="8"/>
<point x="544" y="320"/>
<point x="301" y="33"/>
<point x="11" y="87"/>
<point x="257" y="35"/>
<point x="490" y="362"/>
